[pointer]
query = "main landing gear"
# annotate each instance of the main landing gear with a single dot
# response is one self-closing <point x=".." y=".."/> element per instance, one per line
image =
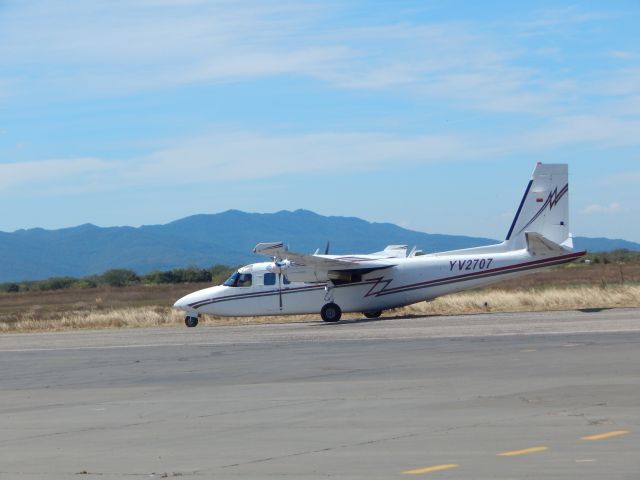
<point x="330" y="312"/>
<point x="191" y="321"/>
<point x="374" y="314"/>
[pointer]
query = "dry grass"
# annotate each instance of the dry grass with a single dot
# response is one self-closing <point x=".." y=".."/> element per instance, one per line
<point x="34" y="321"/>
<point x="555" y="298"/>
<point x="38" y="318"/>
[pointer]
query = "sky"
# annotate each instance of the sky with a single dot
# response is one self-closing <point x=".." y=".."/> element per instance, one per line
<point x="427" y="114"/>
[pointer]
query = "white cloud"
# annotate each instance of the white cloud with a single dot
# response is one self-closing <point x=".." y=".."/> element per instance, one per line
<point x="626" y="178"/>
<point x="622" y="54"/>
<point x="50" y="172"/>
<point x="105" y="47"/>
<point x="121" y="47"/>
<point x="560" y="20"/>
<point x="596" y="209"/>
<point x="601" y="130"/>
<point x="220" y="157"/>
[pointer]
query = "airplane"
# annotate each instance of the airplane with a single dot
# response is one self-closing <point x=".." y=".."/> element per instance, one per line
<point x="295" y="283"/>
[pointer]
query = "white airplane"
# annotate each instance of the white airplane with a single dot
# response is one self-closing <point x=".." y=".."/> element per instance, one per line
<point x="295" y="283"/>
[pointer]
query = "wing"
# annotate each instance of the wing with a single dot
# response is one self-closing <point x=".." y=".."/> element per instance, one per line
<point x="325" y="262"/>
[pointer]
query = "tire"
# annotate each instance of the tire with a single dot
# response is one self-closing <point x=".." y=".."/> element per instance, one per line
<point x="375" y="314"/>
<point x="331" y="313"/>
<point x="191" y="321"/>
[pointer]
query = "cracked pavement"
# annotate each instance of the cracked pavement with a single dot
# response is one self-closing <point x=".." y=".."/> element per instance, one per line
<point x="365" y="399"/>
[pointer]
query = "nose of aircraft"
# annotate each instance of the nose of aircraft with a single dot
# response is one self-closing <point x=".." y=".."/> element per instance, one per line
<point x="185" y="302"/>
<point x="182" y="303"/>
<point x="196" y="299"/>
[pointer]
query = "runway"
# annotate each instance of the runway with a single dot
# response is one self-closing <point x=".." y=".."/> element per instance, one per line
<point x="544" y="395"/>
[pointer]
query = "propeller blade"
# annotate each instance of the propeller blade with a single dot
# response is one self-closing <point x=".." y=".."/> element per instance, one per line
<point x="326" y="249"/>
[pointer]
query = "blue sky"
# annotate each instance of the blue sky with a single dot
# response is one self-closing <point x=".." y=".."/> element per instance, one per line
<point x="428" y="114"/>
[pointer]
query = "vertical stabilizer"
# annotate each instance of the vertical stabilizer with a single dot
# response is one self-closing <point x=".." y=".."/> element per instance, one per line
<point x="544" y="209"/>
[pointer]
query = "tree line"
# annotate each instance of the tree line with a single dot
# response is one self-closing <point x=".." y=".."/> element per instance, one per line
<point x="122" y="277"/>
<point x="615" y="256"/>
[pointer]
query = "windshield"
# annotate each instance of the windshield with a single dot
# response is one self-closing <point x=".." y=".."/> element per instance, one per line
<point x="238" y="279"/>
<point x="231" y="281"/>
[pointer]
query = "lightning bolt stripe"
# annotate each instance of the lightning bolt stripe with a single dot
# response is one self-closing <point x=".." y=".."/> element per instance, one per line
<point x="552" y="200"/>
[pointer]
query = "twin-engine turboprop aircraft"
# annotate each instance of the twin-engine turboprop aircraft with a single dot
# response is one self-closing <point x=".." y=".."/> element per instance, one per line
<point x="296" y="283"/>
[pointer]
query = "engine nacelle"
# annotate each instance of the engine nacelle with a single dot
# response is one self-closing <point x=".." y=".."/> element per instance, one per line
<point x="279" y="267"/>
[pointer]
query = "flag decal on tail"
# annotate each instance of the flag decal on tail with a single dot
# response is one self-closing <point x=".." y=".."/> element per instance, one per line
<point x="552" y="200"/>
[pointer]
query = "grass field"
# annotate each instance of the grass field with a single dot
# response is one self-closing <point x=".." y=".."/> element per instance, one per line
<point x="574" y="286"/>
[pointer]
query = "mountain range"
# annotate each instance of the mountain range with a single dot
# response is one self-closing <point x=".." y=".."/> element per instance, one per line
<point x="204" y="240"/>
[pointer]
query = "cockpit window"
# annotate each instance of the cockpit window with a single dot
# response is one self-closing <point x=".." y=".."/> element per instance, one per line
<point x="238" y="279"/>
<point x="244" y="280"/>
<point x="231" y="281"/>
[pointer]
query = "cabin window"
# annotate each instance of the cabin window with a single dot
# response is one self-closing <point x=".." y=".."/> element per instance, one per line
<point x="270" y="279"/>
<point x="238" y="280"/>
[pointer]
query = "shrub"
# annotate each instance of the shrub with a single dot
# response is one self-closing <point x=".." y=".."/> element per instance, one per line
<point x="56" y="283"/>
<point x="219" y="273"/>
<point x="119" y="277"/>
<point x="10" y="287"/>
<point x="192" y="274"/>
<point x="155" y="277"/>
<point x="87" y="282"/>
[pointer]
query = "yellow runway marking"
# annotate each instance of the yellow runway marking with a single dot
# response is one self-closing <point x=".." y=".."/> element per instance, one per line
<point x="601" y="436"/>
<point x="435" y="468"/>
<point x="513" y="453"/>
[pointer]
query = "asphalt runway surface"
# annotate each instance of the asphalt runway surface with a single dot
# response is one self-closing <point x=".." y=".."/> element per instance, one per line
<point x="496" y="396"/>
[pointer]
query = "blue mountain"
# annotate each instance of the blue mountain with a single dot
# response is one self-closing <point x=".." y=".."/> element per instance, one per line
<point x="204" y="240"/>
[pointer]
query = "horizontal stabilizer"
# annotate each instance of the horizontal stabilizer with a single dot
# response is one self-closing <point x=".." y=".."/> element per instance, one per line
<point x="540" y="245"/>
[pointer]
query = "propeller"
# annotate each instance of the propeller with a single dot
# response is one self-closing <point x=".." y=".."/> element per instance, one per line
<point x="280" y="289"/>
<point x="326" y="249"/>
<point x="280" y="264"/>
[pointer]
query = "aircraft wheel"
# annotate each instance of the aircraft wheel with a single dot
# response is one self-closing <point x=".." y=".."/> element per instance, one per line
<point x="190" y="321"/>
<point x="331" y="313"/>
<point x="375" y="314"/>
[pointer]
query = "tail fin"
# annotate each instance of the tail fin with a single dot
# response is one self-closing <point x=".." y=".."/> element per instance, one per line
<point x="544" y="208"/>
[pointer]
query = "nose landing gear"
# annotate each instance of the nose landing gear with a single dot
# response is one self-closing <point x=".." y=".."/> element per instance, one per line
<point x="191" y="321"/>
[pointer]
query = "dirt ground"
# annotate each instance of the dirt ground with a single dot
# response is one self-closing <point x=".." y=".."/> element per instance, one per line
<point x="113" y="307"/>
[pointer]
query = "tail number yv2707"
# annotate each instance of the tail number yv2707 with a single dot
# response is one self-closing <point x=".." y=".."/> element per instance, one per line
<point x="471" y="265"/>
